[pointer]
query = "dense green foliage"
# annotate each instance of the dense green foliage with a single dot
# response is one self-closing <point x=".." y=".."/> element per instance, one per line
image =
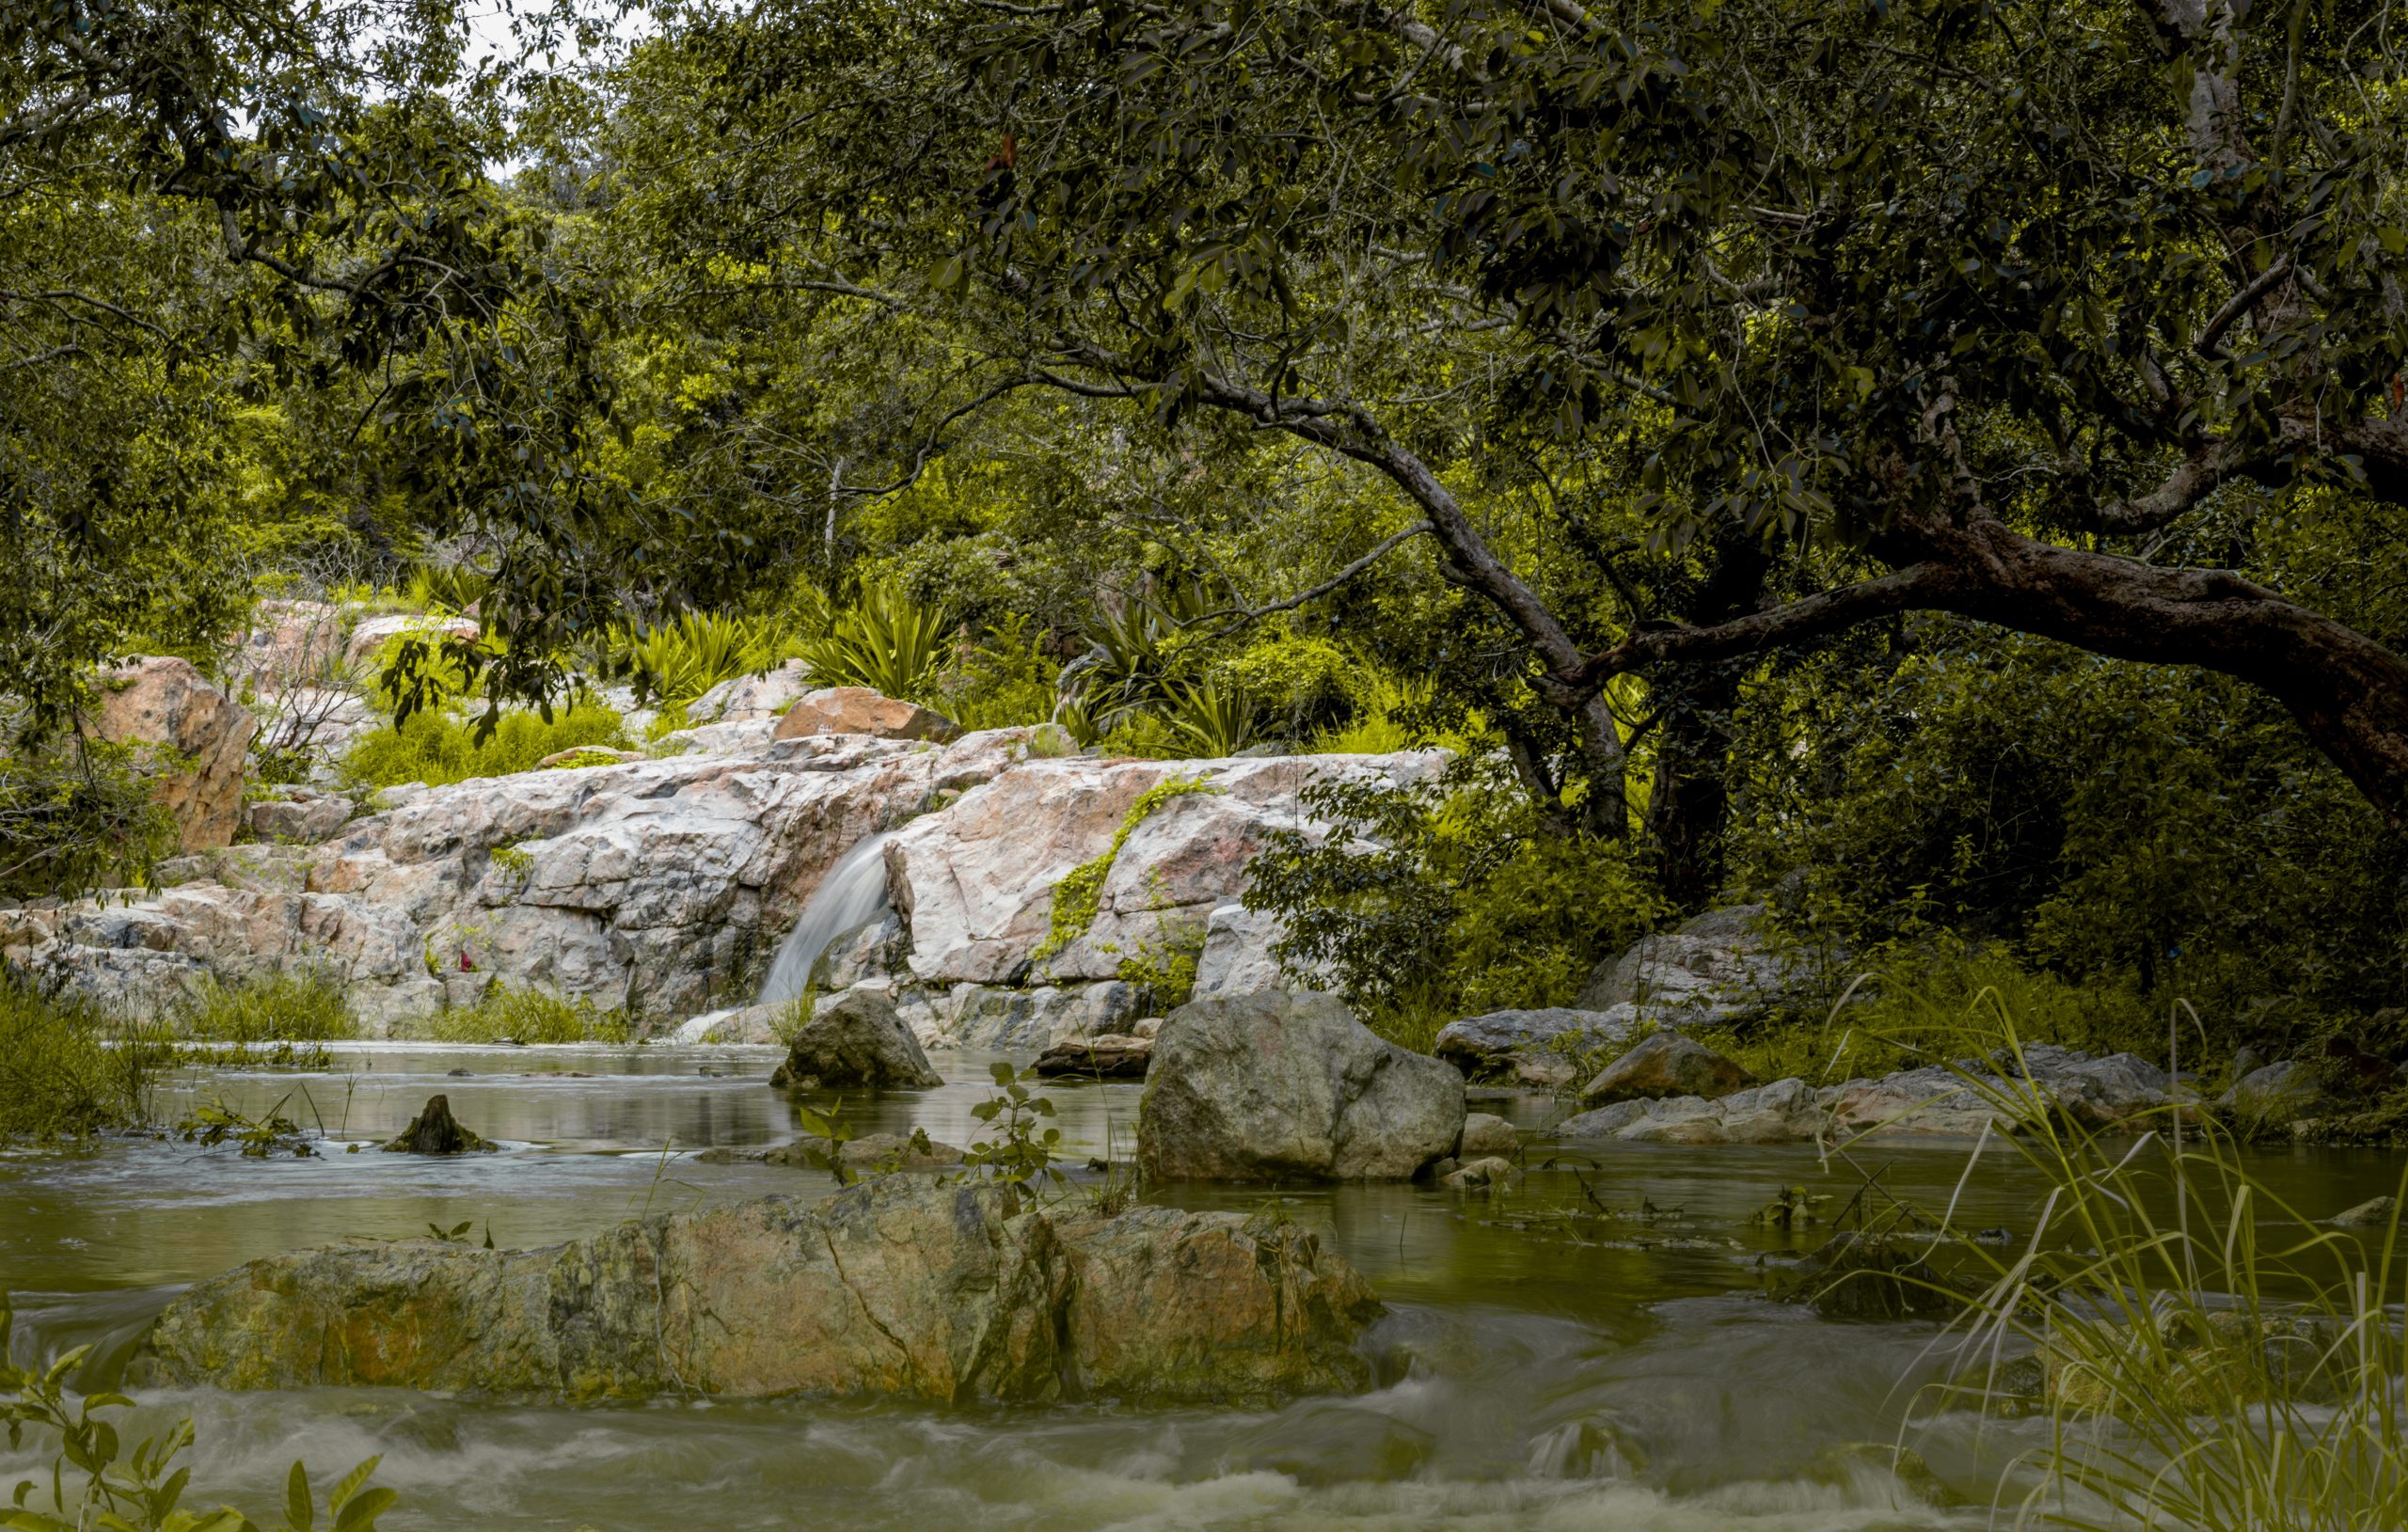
<point x="1931" y="466"/>
<point x="440" y="747"/>
<point x="508" y="1014"/>
<point x="62" y="1075"/>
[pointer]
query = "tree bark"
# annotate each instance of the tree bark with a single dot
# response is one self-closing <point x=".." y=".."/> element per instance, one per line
<point x="1688" y="798"/>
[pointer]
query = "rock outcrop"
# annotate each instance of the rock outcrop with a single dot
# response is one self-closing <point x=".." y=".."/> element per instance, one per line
<point x="2106" y="1094"/>
<point x="189" y="737"/>
<point x="855" y="1040"/>
<point x="1286" y="1086"/>
<point x="1664" y="1065"/>
<point x="1716" y="968"/>
<point x="858" y="710"/>
<point x="899" y="1287"/>
<point x="1539" y="1049"/>
<point x="748" y="699"/>
<point x="664" y="887"/>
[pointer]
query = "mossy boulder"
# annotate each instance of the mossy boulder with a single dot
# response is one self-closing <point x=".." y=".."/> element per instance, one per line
<point x="900" y="1287"/>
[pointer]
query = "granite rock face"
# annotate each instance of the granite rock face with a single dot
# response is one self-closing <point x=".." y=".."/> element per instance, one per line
<point x="899" y="1287"/>
<point x="190" y="738"/>
<point x="1713" y="968"/>
<point x="1280" y="1087"/>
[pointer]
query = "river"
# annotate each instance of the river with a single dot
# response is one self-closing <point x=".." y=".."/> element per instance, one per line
<point x="1627" y="1375"/>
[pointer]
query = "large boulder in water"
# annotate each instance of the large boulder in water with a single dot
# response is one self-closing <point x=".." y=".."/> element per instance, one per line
<point x="899" y="1287"/>
<point x="1536" y="1048"/>
<point x="856" y="1039"/>
<point x="1279" y="1085"/>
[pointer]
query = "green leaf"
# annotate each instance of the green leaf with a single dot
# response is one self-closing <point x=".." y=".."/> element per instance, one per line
<point x="299" y="1512"/>
<point x="362" y="1511"/>
<point x="351" y="1482"/>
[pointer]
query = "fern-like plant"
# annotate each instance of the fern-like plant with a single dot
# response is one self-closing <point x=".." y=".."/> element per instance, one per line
<point x="680" y="660"/>
<point x="1215" y="719"/>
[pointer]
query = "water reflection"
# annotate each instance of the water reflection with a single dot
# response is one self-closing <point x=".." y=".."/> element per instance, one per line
<point x="1545" y="1374"/>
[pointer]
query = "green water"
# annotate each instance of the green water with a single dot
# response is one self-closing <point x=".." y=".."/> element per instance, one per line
<point x="1622" y="1376"/>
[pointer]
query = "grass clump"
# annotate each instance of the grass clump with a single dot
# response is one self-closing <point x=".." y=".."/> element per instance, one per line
<point x="2205" y="1355"/>
<point x="309" y="1006"/>
<point x="440" y="747"/>
<point x="525" y="1016"/>
<point x="68" y="1068"/>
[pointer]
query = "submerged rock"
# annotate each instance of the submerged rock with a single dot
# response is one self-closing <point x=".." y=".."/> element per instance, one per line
<point x="856" y="1039"/>
<point x="2375" y="1212"/>
<point x="434" y="1130"/>
<point x="901" y="1288"/>
<point x="1279" y="1085"/>
<point x="1664" y="1065"/>
<point x="1111" y="1057"/>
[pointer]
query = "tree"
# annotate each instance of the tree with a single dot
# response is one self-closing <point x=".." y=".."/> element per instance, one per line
<point x="1952" y="306"/>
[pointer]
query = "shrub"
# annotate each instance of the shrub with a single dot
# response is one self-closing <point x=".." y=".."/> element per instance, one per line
<point x="887" y="642"/>
<point x="75" y="815"/>
<point x="524" y="1016"/>
<point x="678" y="661"/>
<point x="1443" y="899"/>
<point x="2193" y="1371"/>
<point x="68" y="1068"/>
<point x="309" y="1006"/>
<point x="437" y="748"/>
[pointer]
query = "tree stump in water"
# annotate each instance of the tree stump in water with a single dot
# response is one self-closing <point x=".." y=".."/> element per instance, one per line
<point x="436" y="1131"/>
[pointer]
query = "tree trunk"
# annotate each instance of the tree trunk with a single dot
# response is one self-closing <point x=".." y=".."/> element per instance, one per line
<point x="1689" y="799"/>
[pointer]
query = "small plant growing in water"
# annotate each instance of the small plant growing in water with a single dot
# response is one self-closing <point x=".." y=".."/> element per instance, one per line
<point x="269" y="1133"/>
<point x="1019" y="1153"/>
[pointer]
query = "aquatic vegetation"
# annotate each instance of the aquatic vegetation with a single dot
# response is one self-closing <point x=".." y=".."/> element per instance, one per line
<point x="69" y="1068"/>
<point x="1020" y="1151"/>
<point x="302" y="1005"/>
<point x="510" y="1014"/>
<point x="269" y="1133"/>
<point x="95" y="1484"/>
<point x="437" y="747"/>
<point x="2233" y="1364"/>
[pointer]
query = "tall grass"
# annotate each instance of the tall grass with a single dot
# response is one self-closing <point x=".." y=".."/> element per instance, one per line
<point x="524" y="1016"/>
<point x="69" y="1068"/>
<point x="438" y="748"/>
<point x="2205" y="1355"/>
<point x="307" y="1006"/>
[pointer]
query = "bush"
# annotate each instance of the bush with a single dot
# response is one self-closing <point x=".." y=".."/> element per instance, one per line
<point x="679" y="661"/>
<point x="887" y="642"/>
<point x="1445" y="899"/>
<point x="524" y="1016"/>
<point x="2164" y="831"/>
<point x="68" y="1068"/>
<point x="437" y="748"/>
<point x="281" y="1007"/>
<point x="76" y="815"/>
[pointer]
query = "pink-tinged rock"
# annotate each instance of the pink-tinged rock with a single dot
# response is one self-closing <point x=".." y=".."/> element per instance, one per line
<point x="192" y="737"/>
<point x="858" y="710"/>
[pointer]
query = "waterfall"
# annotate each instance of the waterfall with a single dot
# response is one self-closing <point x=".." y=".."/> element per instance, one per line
<point x="852" y="894"/>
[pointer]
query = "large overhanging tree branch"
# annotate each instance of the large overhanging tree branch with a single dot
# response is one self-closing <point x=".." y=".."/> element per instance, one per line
<point x="1973" y="296"/>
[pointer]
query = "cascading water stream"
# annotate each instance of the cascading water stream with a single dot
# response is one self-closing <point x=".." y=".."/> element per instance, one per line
<point x="851" y="895"/>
